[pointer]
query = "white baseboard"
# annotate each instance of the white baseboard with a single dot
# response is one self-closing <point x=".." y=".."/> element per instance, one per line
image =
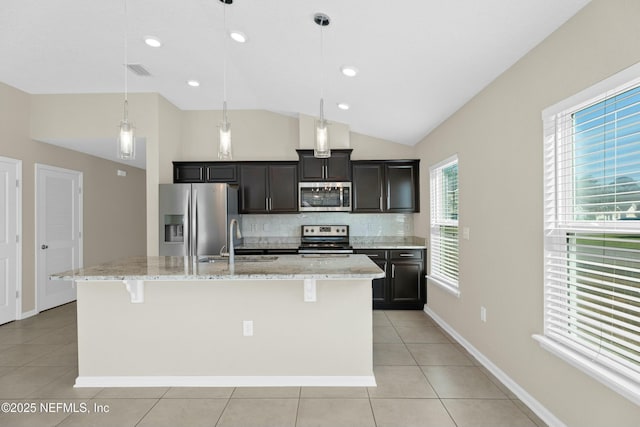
<point x="542" y="412"/>
<point x="27" y="314"/>
<point x="226" y="381"/>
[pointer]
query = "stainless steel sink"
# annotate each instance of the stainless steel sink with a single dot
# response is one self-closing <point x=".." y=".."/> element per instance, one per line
<point x="239" y="258"/>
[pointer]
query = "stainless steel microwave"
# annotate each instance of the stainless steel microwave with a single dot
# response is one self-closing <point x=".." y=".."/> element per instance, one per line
<point x="324" y="196"/>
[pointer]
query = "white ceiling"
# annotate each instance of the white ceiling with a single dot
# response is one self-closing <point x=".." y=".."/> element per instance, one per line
<point x="419" y="60"/>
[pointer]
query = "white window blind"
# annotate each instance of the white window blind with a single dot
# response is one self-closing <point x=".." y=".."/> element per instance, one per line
<point x="592" y="235"/>
<point x="444" y="223"/>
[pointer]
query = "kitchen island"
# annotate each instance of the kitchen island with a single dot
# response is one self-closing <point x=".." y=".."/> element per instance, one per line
<point x="290" y="320"/>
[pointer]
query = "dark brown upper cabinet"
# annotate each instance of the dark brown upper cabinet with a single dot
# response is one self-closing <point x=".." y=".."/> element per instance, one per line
<point x="270" y="187"/>
<point x="197" y="172"/>
<point x="334" y="168"/>
<point x="386" y="186"/>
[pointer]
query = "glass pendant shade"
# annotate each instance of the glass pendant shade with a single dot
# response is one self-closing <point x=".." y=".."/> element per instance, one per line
<point x="224" y="148"/>
<point x="126" y="141"/>
<point x="321" y="148"/>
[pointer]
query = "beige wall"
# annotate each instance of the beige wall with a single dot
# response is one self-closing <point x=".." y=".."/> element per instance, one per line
<point x="498" y="139"/>
<point x="172" y="134"/>
<point x="114" y="207"/>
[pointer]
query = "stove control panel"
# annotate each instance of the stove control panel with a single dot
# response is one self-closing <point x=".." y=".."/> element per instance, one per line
<point x="325" y="230"/>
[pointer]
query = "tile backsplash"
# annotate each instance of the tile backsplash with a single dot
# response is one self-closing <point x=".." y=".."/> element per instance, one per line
<point x="288" y="225"/>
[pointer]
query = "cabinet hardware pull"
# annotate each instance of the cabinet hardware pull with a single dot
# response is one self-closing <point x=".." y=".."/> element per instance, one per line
<point x="407" y="255"/>
<point x="393" y="271"/>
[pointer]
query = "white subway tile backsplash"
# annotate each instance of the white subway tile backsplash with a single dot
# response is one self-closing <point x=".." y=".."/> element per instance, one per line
<point x="369" y="225"/>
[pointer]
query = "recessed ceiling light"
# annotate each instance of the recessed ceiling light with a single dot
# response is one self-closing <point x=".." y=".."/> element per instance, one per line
<point x="152" y="41"/>
<point x="343" y="106"/>
<point x="193" y="83"/>
<point x="349" y="71"/>
<point x="238" y="36"/>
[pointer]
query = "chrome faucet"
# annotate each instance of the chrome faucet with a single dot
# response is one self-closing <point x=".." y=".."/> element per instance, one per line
<point x="232" y="254"/>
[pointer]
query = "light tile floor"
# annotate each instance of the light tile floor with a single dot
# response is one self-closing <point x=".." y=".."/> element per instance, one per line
<point x="424" y="379"/>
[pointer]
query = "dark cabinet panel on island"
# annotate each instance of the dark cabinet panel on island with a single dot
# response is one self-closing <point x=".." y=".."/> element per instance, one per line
<point x="403" y="287"/>
<point x="268" y="187"/>
<point x="386" y="186"/>
<point x="334" y="168"/>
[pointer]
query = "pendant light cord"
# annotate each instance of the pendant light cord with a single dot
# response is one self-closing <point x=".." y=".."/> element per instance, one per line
<point x="224" y="63"/>
<point x="126" y="46"/>
<point x="321" y="72"/>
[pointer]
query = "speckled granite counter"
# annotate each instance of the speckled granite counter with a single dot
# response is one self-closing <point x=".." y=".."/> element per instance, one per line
<point x="388" y="242"/>
<point x="284" y="267"/>
<point x="173" y="322"/>
<point x="358" y="242"/>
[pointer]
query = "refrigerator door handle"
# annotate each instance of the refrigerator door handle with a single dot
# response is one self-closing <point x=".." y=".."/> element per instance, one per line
<point x="194" y="223"/>
<point x="187" y="229"/>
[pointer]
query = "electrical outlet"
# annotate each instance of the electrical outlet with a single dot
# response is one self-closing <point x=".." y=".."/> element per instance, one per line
<point x="247" y="328"/>
<point x="483" y="314"/>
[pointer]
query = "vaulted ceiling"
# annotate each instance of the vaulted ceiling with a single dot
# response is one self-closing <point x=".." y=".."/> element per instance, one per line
<point x="418" y="60"/>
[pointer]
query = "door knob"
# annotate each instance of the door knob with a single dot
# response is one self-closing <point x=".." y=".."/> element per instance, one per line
<point x="44" y="246"/>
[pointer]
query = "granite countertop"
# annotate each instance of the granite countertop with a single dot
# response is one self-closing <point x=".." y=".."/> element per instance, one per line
<point x="388" y="242"/>
<point x="358" y="242"/>
<point x="287" y="267"/>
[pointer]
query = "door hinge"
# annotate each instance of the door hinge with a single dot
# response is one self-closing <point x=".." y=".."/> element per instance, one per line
<point x="17" y="183"/>
<point x="80" y="234"/>
<point x="17" y="294"/>
<point x="79" y="190"/>
<point x="17" y="238"/>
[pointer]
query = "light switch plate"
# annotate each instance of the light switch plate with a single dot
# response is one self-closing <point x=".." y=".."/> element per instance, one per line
<point x="465" y="233"/>
<point x="247" y="328"/>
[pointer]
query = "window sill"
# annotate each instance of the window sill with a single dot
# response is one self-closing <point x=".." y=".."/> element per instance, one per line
<point x="445" y="285"/>
<point x="618" y="383"/>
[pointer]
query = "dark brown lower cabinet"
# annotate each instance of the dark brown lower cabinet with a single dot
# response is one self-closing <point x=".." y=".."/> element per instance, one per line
<point x="403" y="288"/>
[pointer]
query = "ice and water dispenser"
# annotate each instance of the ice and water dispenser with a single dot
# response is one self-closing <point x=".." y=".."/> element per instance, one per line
<point x="174" y="228"/>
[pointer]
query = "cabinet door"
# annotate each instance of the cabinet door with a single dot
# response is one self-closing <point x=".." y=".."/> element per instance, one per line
<point x="379" y="286"/>
<point x="283" y="188"/>
<point x="401" y="188"/>
<point x="405" y="282"/>
<point x="338" y="167"/>
<point x="311" y="168"/>
<point x="222" y="172"/>
<point x="188" y="172"/>
<point x="254" y="181"/>
<point x="367" y="187"/>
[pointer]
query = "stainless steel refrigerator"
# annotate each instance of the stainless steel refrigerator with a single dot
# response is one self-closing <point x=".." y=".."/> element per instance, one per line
<point x="194" y="218"/>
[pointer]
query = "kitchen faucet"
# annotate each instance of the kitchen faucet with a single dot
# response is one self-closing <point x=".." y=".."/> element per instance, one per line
<point x="232" y="259"/>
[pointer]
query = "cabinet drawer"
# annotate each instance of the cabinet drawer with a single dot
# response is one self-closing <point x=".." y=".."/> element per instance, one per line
<point x="406" y="254"/>
<point x="375" y="254"/>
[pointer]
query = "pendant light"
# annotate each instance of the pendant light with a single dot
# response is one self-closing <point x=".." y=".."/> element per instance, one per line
<point x="126" y="143"/>
<point x="321" y="148"/>
<point x="224" y="145"/>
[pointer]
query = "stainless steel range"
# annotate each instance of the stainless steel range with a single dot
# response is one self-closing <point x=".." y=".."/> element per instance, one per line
<point x="324" y="239"/>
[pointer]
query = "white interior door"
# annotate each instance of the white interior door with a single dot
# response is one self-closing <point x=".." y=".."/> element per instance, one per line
<point x="58" y="232"/>
<point x="10" y="214"/>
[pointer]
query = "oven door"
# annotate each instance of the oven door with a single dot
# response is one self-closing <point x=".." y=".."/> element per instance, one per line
<point x="324" y="196"/>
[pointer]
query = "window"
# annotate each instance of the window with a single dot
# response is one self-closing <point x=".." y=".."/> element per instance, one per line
<point x="444" y="224"/>
<point x="592" y="235"/>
